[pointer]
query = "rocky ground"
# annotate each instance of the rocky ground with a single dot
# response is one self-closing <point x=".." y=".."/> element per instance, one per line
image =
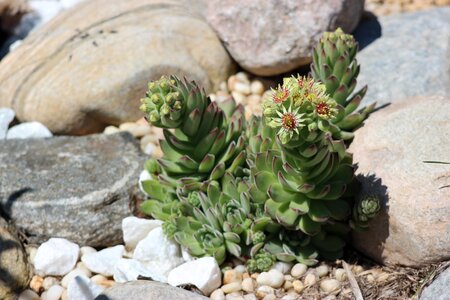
<point x="389" y="7"/>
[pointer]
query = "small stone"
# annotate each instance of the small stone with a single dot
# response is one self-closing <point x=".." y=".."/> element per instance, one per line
<point x="217" y="295"/>
<point x="82" y="266"/>
<point x="357" y="269"/>
<point x="290" y="296"/>
<point x="232" y="80"/>
<point x="298" y="270"/>
<point x="28" y="130"/>
<point x="136" y="229"/>
<point x="137" y="130"/>
<point x="103" y="262"/>
<point x="330" y="285"/>
<point x="49" y="282"/>
<point x="283" y="267"/>
<point x="29" y="295"/>
<point x="234" y="296"/>
<point x="241" y="269"/>
<point x="102" y="281"/>
<point x="257" y="88"/>
<point x="288" y="277"/>
<point x="370" y="278"/>
<point x="31" y="253"/>
<point x="287" y="285"/>
<point x="111" y="130"/>
<point x="204" y="273"/>
<point x="130" y="269"/>
<point x="232" y="287"/>
<point x="36" y="283"/>
<point x="64" y="295"/>
<point x="6" y="117"/>
<point x="53" y="293"/>
<point x="82" y="288"/>
<point x="322" y="271"/>
<point x="250" y="297"/>
<point x="56" y="257"/>
<point x="382" y="277"/>
<point x="273" y="278"/>
<point x="298" y="286"/>
<point x="242" y="88"/>
<point x="248" y="285"/>
<point x="232" y="276"/>
<point x="71" y="275"/>
<point x="270" y="297"/>
<point x="238" y="97"/>
<point x="340" y="274"/>
<point x="223" y="86"/>
<point x="242" y="77"/>
<point x="263" y="291"/>
<point x="87" y="250"/>
<point x="310" y="279"/>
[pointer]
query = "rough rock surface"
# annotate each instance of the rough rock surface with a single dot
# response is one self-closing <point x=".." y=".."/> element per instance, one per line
<point x="438" y="289"/>
<point x="392" y="150"/>
<point x="271" y="37"/>
<point x="14" y="268"/>
<point x="419" y="66"/>
<point x="89" y="66"/>
<point x="145" y="290"/>
<point x="78" y="188"/>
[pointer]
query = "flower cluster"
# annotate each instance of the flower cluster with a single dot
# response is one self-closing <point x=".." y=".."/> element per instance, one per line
<point x="299" y="102"/>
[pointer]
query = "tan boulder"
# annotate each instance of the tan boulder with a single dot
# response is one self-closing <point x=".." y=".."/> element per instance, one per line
<point x="393" y="150"/>
<point x="89" y="66"/>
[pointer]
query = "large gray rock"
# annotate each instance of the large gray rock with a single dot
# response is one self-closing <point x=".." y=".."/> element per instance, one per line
<point x="272" y="37"/>
<point x="78" y="188"/>
<point x="392" y="150"/>
<point x="15" y="272"/>
<point x="438" y="289"/>
<point x="147" y="290"/>
<point x="90" y="65"/>
<point x="411" y="58"/>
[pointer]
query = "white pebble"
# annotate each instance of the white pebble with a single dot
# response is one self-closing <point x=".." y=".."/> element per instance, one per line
<point x="49" y="282"/>
<point x="29" y="295"/>
<point x="310" y="279"/>
<point x="234" y="296"/>
<point x="240" y="269"/>
<point x="322" y="271"/>
<point x="56" y="257"/>
<point x="104" y="261"/>
<point x="217" y="295"/>
<point x="257" y="87"/>
<point x="32" y="254"/>
<point x="273" y="278"/>
<point x="136" y="229"/>
<point x="70" y="276"/>
<point x="250" y="297"/>
<point x="6" y="117"/>
<point x="110" y="130"/>
<point x="238" y="97"/>
<point x="53" y="293"/>
<point x="242" y="77"/>
<point x="270" y="297"/>
<point x="247" y="285"/>
<point x="87" y="250"/>
<point x="28" y="130"/>
<point x="263" y="291"/>
<point x="137" y="130"/>
<point x="242" y="88"/>
<point x="298" y="270"/>
<point x="82" y="267"/>
<point x="231" y="287"/>
<point x="330" y="285"/>
<point x="283" y="267"/>
<point x="290" y="296"/>
<point x="340" y="274"/>
<point x="82" y="288"/>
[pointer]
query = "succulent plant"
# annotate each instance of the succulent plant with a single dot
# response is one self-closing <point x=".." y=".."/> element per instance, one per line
<point x="202" y="140"/>
<point x="335" y="65"/>
<point x="364" y="210"/>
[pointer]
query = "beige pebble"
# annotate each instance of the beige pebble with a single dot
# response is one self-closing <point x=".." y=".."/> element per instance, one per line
<point x="232" y="80"/>
<point x="36" y="283"/>
<point x="232" y="287"/>
<point x="223" y="86"/>
<point x="254" y="100"/>
<point x="242" y="77"/>
<point x="256" y="87"/>
<point x="70" y="276"/>
<point x="298" y="286"/>
<point x="241" y="269"/>
<point x="232" y="276"/>
<point x="382" y="277"/>
<point x="87" y="250"/>
<point x="239" y="97"/>
<point x="234" y="296"/>
<point x="254" y="275"/>
<point x="298" y="270"/>
<point x="82" y="267"/>
<point x="288" y="277"/>
<point x="29" y="295"/>
<point x="103" y="281"/>
<point x="157" y="152"/>
<point x="329" y="297"/>
<point x="250" y="297"/>
<point x="217" y="295"/>
<point x="270" y="297"/>
<point x="248" y="285"/>
<point x="64" y="295"/>
<point x="340" y="274"/>
<point x="111" y="130"/>
<point x="283" y="267"/>
<point x="137" y="130"/>
<point x="263" y="291"/>
<point x="290" y="296"/>
<point x="357" y="269"/>
<point x="330" y="285"/>
<point x="287" y="285"/>
<point x="31" y="254"/>
<point x="310" y="279"/>
<point x="370" y="278"/>
<point x="243" y="88"/>
<point x="322" y="271"/>
<point x="274" y="278"/>
<point x="245" y="275"/>
<point x="49" y="282"/>
<point x="213" y="97"/>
